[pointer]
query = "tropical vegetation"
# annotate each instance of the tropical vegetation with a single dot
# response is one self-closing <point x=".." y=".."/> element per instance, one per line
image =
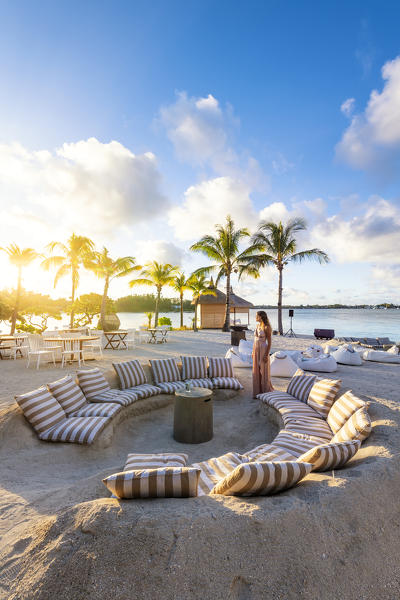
<point x="199" y="286"/>
<point x="179" y="284"/>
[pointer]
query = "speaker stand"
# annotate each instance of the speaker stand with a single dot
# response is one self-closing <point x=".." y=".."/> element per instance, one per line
<point x="290" y="332"/>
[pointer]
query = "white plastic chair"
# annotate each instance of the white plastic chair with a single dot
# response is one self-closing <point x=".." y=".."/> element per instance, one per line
<point x="72" y="347"/>
<point x="21" y="346"/>
<point x="37" y="348"/>
<point x="93" y="345"/>
<point x="143" y="334"/>
<point x="130" y="339"/>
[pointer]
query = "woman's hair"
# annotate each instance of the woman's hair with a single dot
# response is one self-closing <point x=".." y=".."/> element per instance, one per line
<point x="264" y="318"/>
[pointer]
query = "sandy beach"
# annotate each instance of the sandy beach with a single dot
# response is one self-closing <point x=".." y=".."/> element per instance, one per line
<point x="334" y="535"/>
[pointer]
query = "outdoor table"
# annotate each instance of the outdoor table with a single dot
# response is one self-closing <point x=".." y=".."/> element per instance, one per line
<point x="116" y="340"/>
<point x="63" y="340"/>
<point x="193" y="416"/>
<point x="153" y="335"/>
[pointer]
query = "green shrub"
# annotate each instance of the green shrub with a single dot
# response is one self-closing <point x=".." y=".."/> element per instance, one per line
<point x="165" y="321"/>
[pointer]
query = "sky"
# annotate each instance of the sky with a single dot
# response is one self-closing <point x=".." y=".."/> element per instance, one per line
<point x="144" y="124"/>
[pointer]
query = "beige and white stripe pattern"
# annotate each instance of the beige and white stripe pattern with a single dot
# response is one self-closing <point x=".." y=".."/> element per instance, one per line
<point x="68" y="394"/>
<point x="41" y="409"/>
<point x="296" y="443"/>
<point x="342" y="409"/>
<point x="309" y="426"/>
<point x="105" y="409"/>
<point x="215" y="469"/>
<point x="124" y="398"/>
<point x="170" y="387"/>
<point x="323" y="394"/>
<point x="300" y="385"/>
<point x="169" y="482"/>
<point x="155" y="460"/>
<point x="78" y="430"/>
<point x="165" y="370"/>
<point x="130" y="374"/>
<point x="331" y="456"/>
<point x="146" y="390"/>
<point x="226" y="383"/>
<point x="267" y="452"/>
<point x="92" y="382"/>
<point x="294" y="408"/>
<point x="271" y="397"/>
<point x="357" y="427"/>
<point x="262" y="479"/>
<point x="194" y="367"/>
<point x="202" y="383"/>
<point x="220" y="367"/>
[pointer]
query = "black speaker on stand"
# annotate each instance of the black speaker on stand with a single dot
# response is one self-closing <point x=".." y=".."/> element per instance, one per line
<point x="290" y="332"/>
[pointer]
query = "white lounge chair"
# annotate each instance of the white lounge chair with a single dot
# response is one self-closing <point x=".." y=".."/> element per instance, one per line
<point x="38" y="349"/>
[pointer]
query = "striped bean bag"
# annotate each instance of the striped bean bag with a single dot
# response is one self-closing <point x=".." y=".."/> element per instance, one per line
<point x="309" y="426"/>
<point x="130" y="374"/>
<point x="220" y="367"/>
<point x="357" y="427"/>
<point x="262" y="478"/>
<point x="194" y="367"/>
<point x="155" y="461"/>
<point x="268" y="452"/>
<point x="169" y="482"/>
<point x="202" y="383"/>
<point x="68" y="394"/>
<point x="146" y="390"/>
<point x="330" y="456"/>
<point x="323" y="394"/>
<point x="41" y="409"/>
<point x="300" y="385"/>
<point x="92" y="382"/>
<point x="342" y="409"/>
<point x="165" y="370"/>
<point x="214" y="469"/>
<point x="227" y="383"/>
<point x="171" y="386"/>
<point x="79" y="430"/>
<point x="297" y="443"/>
<point x="105" y="409"/>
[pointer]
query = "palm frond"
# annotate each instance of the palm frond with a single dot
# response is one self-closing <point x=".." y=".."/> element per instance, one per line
<point x="313" y="254"/>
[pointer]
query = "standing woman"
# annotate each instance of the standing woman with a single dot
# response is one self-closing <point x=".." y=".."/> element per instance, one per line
<point x="261" y="348"/>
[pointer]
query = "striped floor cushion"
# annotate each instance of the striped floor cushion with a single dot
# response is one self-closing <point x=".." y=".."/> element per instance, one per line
<point x="106" y="409"/>
<point x="331" y="456"/>
<point x="146" y="390"/>
<point x="309" y="426"/>
<point x="171" y="386"/>
<point x="226" y="383"/>
<point x="215" y="469"/>
<point x="155" y="460"/>
<point x="124" y="398"/>
<point x="268" y="452"/>
<point x="41" y="409"/>
<point x="130" y="374"/>
<point x="203" y="383"/>
<point x="296" y="443"/>
<point x="342" y="409"/>
<point x="296" y="409"/>
<point x="194" y="367"/>
<point x="271" y="397"/>
<point x="68" y="394"/>
<point x="169" y="482"/>
<point x="92" y="382"/>
<point x="262" y="478"/>
<point x="357" y="427"/>
<point x="300" y="385"/>
<point x="220" y="367"/>
<point x="165" y="370"/>
<point x="77" y="430"/>
<point x="323" y="394"/>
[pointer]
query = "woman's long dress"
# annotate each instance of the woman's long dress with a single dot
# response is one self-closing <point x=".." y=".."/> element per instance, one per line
<point x="261" y="368"/>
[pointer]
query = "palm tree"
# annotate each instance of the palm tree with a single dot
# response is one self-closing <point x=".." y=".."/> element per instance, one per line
<point x="279" y="245"/>
<point x="74" y="253"/>
<point x="108" y="269"/>
<point x="199" y="287"/>
<point x="20" y="258"/>
<point x="223" y="250"/>
<point x="159" y="275"/>
<point x="180" y="285"/>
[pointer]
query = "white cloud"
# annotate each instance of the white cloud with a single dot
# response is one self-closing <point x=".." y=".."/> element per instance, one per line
<point x="281" y="165"/>
<point x="208" y="203"/>
<point x="388" y="276"/>
<point x="159" y="250"/>
<point x="372" y="140"/>
<point x="347" y="106"/>
<point x="277" y="211"/>
<point x="87" y="186"/>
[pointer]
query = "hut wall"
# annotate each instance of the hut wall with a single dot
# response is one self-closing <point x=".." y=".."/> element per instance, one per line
<point x="212" y="316"/>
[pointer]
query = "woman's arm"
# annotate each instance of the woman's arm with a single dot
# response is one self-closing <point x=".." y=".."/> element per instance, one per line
<point x="269" y="343"/>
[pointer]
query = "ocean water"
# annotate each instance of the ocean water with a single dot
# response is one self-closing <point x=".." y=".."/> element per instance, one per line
<point x="346" y="322"/>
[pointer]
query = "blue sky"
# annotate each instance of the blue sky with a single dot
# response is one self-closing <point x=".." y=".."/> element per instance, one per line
<point x="213" y="107"/>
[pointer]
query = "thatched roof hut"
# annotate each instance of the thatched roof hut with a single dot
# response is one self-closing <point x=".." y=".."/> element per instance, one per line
<point x="211" y="314"/>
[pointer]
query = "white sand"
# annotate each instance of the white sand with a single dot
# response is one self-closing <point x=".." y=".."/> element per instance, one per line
<point x="63" y="538"/>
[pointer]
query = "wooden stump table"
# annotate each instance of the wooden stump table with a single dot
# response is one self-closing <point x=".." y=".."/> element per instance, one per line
<point x="193" y="416"/>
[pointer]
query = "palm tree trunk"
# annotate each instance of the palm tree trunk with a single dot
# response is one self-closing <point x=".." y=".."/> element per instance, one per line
<point x="181" y="296"/>
<point x="71" y="320"/>
<point x="104" y="303"/>
<point x="280" y="327"/>
<point x="157" y="305"/>
<point x="196" y="302"/>
<point x="17" y="299"/>
<point x="227" y="323"/>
